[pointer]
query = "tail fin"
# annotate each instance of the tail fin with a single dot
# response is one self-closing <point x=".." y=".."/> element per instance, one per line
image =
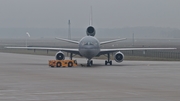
<point x="90" y="17"/>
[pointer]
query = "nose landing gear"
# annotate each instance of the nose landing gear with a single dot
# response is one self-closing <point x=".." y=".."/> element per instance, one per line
<point x="89" y="63"/>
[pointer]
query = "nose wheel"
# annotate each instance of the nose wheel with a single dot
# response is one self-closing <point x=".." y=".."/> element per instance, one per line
<point x="108" y="61"/>
<point x="89" y="63"/>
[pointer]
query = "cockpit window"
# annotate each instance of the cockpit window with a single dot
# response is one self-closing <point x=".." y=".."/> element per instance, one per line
<point x="88" y="43"/>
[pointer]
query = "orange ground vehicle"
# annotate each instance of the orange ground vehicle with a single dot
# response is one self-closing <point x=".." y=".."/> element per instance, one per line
<point x="62" y="63"/>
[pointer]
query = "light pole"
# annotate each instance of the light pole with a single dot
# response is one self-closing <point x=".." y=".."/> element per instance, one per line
<point x="27" y="37"/>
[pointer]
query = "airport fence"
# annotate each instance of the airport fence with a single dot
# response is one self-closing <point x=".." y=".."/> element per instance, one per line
<point x="173" y="55"/>
<point x="157" y="54"/>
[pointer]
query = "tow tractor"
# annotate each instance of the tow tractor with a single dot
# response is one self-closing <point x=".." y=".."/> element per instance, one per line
<point x="62" y="63"/>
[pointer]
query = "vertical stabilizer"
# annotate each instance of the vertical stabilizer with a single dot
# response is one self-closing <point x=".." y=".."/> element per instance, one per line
<point x="91" y="30"/>
<point x="90" y="17"/>
<point x="69" y="29"/>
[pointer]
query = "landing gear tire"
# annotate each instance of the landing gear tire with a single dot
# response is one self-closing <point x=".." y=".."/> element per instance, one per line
<point x="89" y="63"/>
<point x="105" y="62"/>
<point x="108" y="62"/>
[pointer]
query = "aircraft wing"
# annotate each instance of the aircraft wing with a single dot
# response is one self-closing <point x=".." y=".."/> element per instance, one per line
<point x="74" y="51"/>
<point x="105" y="51"/>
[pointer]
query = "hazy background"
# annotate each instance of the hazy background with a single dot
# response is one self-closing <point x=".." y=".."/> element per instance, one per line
<point x="111" y="18"/>
<point x="155" y="23"/>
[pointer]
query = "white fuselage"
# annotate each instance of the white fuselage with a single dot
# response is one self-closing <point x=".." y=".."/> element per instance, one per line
<point x="89" y="47"/>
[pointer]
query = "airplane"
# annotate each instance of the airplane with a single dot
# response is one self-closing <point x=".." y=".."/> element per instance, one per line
<point x="89" y="47"/>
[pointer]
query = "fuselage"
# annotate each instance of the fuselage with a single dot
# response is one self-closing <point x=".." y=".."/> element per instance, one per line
<point x="89" y="47"/>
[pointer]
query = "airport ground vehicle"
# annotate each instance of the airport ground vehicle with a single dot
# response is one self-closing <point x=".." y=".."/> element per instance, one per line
<point x="62" y="63"/>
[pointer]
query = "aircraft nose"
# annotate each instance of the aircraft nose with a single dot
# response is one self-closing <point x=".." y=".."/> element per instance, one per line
<point x="88" y="52"/>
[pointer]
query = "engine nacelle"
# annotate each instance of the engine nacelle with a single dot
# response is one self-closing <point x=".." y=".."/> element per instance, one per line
<point x="119" y="57"/>
<point x="60" y="56"/>
<point x="90" y="31"/>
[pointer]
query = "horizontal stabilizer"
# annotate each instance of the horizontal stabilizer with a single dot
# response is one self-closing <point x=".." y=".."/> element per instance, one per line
<point x="67" y="40"/>
<point x="111" y="41"/>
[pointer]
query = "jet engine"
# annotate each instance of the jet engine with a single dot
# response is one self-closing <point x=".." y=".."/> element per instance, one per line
<point x="60" y="56"/>
<point x="90" y="31"/>
<point x="119" y="57"/>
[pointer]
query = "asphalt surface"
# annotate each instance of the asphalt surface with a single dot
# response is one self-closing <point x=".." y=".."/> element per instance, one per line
<point x="29" y="78"/>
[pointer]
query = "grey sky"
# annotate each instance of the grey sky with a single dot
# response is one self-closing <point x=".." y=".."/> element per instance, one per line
<point x="106" y="13"/>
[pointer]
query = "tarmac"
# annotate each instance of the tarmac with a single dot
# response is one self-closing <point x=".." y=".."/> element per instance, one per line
<point x="29" y="78"/>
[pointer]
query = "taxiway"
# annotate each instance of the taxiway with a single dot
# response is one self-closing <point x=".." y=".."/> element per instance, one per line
<point x="29" y="78"/>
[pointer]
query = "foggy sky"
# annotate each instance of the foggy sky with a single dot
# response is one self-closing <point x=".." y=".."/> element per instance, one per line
<point x="106" y="13"/>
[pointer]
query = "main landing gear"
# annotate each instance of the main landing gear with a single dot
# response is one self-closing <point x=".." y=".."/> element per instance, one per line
<point x="108" y="61"/>
<point x="89" y="63"/>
